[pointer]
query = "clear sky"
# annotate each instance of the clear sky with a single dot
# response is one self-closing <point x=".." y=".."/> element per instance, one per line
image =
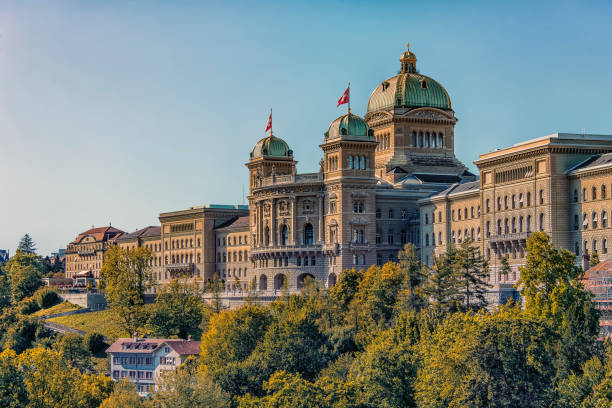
<point x="114" y="111"/>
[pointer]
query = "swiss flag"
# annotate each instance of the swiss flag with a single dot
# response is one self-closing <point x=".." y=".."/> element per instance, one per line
<point x="269" y="123"/>
<point x="345" y="97"/>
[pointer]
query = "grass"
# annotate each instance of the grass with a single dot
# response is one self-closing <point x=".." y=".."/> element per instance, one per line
<point x="59" y="308"/>
<point x="103" y="321"/>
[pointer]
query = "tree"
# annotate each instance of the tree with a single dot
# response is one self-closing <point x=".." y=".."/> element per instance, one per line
<point x="178" y="310"/>
<point x="441" y="286"/>
<point x="127" y="277"/>
<point x="74" y="352"/>
<point x="27" y="245"/>
<point x="24" y="272"/>
<point x="470" y="270"/>
<point x="13" y="393"/>
<point x="414" y="277"/>
<point x="186" y="388"/>
<point x="504" y="266"/>
<point x="215" y="287"/>
<point x="124" y="395"/>
<point x="594" y="259"/>
<point x="287" y="390"/>
<point x="495" y="360"/>
<point x="95" y="343"/>
<point x="550" y="283"/>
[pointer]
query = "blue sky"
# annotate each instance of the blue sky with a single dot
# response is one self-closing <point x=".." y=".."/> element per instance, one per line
<point x="116" y="111"/>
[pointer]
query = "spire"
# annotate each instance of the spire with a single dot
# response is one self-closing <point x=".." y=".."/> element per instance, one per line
<point x="408" y="61"/>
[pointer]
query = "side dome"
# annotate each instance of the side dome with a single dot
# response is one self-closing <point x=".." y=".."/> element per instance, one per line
<point x="409" y="89"/>
<point x="271" y="146"/>
<point x="349" y="127"/>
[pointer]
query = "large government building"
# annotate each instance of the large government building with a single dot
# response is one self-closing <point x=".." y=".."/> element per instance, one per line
<point x="385" y="179"/>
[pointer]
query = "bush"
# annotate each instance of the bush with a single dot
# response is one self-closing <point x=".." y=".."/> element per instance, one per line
<point x="47" y="297"/>
<point x="28" y="306"/>
<point x="95" y="342"/>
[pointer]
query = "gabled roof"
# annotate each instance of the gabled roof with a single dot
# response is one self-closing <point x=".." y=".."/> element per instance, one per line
<point x="457" y="188"/>
<point x="100" y="234"/>
<point x="146" y="345"/>
<point x="601" y="270"/>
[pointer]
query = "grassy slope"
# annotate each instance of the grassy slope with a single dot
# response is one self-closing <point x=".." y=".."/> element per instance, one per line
<point x="59" y="308"/>
<point x="102" y="321"/>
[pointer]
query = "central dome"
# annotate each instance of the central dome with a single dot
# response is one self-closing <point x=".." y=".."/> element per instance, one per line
<point x="409" y="89"/>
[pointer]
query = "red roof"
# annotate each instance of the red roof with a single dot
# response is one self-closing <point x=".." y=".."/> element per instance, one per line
<point x="146" y="345"/>
<point x="601" y="270"/>
<point x="100" y="234"/>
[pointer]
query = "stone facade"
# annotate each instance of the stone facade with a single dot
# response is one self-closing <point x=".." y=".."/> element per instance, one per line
<point x="86" y="252"/>
<point x="559" y="184"/>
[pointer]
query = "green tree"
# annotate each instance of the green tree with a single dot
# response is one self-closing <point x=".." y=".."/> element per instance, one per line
<point x="414" y="277"/>
<point x="186" y="388"/>
<point x="74" y="352"/>
<point x="24" y="272"/>
<point x="480" y="360"/>
<point x="441" y="286"/>
<point x="504" y="266"/>
<point x="127" y="277"/>
<point x="471" y="271"/>
<point x="124" y="395"/>
<point x="550" y="283"/>
<point x="95" y="343"/>
<point x="178" y="310"/>
<point x="27" y="245"/>
<point x="594" y="259"/>
<point x="13" y="393"/>
<point x="287" y="390"/>
<point x="215" y="287"/>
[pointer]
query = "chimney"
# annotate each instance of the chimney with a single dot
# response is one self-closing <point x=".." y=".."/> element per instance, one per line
<point x="189" y="338"/>
<point x="135" y="336"/>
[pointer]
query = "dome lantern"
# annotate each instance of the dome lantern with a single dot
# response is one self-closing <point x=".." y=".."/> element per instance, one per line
<point x="408" y="61"/>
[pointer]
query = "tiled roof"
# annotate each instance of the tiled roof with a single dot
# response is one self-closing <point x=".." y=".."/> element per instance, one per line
<point x="601" y="270"/>
<point x="239" y="223"/>
<point x="459" y="188"/>
<point x="151" y="231"/>
<point x="145" y="345"/>
<point x="100" y="233"/>
<point x="598" y="160"/>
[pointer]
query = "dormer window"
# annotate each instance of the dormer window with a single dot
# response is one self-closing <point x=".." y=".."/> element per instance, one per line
<point x="423" y="84"/>
<point x="385" y="86"/>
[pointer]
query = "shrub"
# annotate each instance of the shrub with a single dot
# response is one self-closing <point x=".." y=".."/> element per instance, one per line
<point x="95" y="342"/>
<point x="28" y="306"/>
<point x="47" y="297"/>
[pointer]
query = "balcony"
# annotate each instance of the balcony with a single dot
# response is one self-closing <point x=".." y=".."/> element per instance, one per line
<point x="511" y="240"/>
<point x="180" y="269"/>
<point x="284" y="250"/>
<point x="361" y="246"/>
<point x="331" y="249"/>
<point x="291" y="179"/>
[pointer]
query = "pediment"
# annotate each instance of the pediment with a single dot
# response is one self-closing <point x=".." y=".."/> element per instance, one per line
<point x="428" y="113"/>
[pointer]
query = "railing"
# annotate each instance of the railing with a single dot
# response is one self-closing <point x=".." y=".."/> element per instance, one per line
<point x="291" y="178"/>
<point x="515" y="236"/>
<point x="361" y="246"/>
<point x="285" y="248"/>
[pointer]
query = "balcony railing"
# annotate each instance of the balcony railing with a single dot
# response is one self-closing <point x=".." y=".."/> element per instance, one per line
<point x="285" y="249"/>
<point x="180" y="268"/>
<point x="516" y="236"/>
<point x="291" y="179"/>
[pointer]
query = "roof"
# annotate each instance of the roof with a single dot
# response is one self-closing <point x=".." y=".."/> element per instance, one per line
<point x="146" y="345"/>
<point x="457" y="188"/>
<point x="438" y="178"/>
<point x="240" y="223"/>
<point x="349" y="127"/>
<point x="410" y="90"/>
<point x="99" y="234"/>
<point x="594" y="162"/>
<point x="150" y="231"/>
<point x="601" y="270"/>
<point x="271" y="146"/>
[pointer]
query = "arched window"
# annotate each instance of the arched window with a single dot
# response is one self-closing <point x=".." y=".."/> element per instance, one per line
<point x="528" y="224"/>
<point x="308" y="234"/>
<point x="603" y="192"/>
<point x="363" y="163"/>
<point x="280" y="281"/>
<point x="594" y="193"/>
<point x="488" y="205"/>
<point x="459" y="236"/>
<point x="604" y="219"/>
<point x="594" y="219"/>
<point x="604" y="246"/>
<point x="541" y="196"/>
<point x="440" y="238"/>
<point x="499" y="227"/>
<point x="426" y="139"/>
<point x="506" y="226"/>
<point x="439" y="216"/>
<point x="426" y="239"/>
<point x="284" y="235"/>
<point x="414" y="139"/>
<point x="420" y="139"/>
<point x="528" y="198"/>
<point x="585" y="221"/>
<point x="576" y="222"/>
<point x="440" y="140"/>
<point x="575" y="195"/>
<point x="520" y="224"/>
<point x="505" y="202"/>
<point x="584" y="194"/>
<point x="541" y="226"/>
<point x="350" y="162"/>
<point x="472" y="234"/>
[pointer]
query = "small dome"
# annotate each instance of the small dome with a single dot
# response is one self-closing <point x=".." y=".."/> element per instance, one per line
<point x="271" y="146"/>
<point x="349" y="127"/>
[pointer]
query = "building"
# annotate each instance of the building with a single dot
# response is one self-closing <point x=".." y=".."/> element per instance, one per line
<point x="362" y="205"/>
<point x="233" y="245"/>
<point x="598" y="280"/>
<point x="142" y="360"/>
<point x="86" y="253"/>
<point x="560" y="184"/>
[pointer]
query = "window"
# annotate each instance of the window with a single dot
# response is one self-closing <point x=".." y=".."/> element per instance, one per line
<point x="358" y="236"/>
<point x="284" y="235"/>
<point x="313" y="261"/>
<point x="390" y="236"/>
<point x="603" y="192"/>
<point x="585" y="221"/>
<point x="363" y="163"/>
<point x="403" y="237"/>
<point x="594" y="219"/>
<point x="350" y="162"/>
<point x="440" y="140"/>
<point x="513" y="201"/>
<point x="520" y="200"/>
<point x="488" y="205"/>
<point x="575" y="195"/>
<point x="472" y="212"/>
<point x="584" y="194"/>
<point x="440" y="238"/>
<point x="426" y="218"/>
<point x="488" y="230"/>
<point x="439" y="216"/>
<point x="528" y="198"/>
<point x="604" y="246"/>
<point x="541" y="196"/>
<point x="604" y="219"/>
<point x="378" y="213"/>
<point x="390" y="213"/>
<point x="576" y="222"/>
<point x="498" y="203"/>
<point x="541" y="223"/>
<point x="505" y="202"/>
<point x="594" y="193"/>
<point x="308" y="234"/>
<point x="358" y="206"/>
<point x="298" y="261"/>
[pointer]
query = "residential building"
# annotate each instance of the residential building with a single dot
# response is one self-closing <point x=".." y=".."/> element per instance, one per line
<point x="143" y="360"/>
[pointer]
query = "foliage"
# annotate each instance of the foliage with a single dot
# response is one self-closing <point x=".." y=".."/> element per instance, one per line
<point x="414" y="277"/>
<point x="287" y="390"/>
<point x="503" y="359"/>
<point x="74" y="351"/>
<point x="24" y="272"/>
<point x="101" y="321"/>
<point x="27" y="245"/>
<point x="470" y="270"/>
<point x="594" y="259"/>
<point x="178" y="310"/>
<point x="186" y="388"/>
<point x="28" y="306"/>
<point x="58" y="308"/>
<point x="47" y="298"/>
<point x="127" y="277"/>
<point x="13" y="393"/>
<point x="124" y="395"/>
<point x="95" y="343"/>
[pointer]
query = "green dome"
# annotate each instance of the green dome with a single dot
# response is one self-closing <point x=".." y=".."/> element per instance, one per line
<point x="271" y="146"/>
<point x="349" y="127"/>
<point x="409" y="90"/>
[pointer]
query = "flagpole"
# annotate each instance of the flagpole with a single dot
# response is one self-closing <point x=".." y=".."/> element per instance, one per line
<point x="271" y="132"/>
<point x="349" y="98"/>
